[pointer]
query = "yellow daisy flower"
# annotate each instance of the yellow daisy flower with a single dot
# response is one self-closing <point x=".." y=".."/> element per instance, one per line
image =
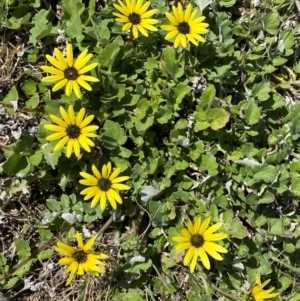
<point x="198" y="240"/>
<point x="258" y="294"/>
<point x="72" y="131"/>
<point x="185" y="26"/>
<point x="135" y="15"/>
<point x="69" y="72"/>
<point x="81" y="259"/>
<point x="102" y="186"/>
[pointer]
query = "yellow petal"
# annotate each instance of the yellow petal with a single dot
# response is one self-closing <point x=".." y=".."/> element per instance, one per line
<point x="96" y="172"/>
<point x="70" y="59"/>
<point x="69" y="87"/>
<point x="102" y="200"/>
<point x="76" y="147"/>
<point x="183" y="246"/>
<point x="85" y="142"/>
<point x="60" y="58"/>
<point x="120" y="186"/>
<point x="188" y="12"/>
<point x="194" y="261"/>
<point x="69" y="148"/>
<point x="135" y="31"/>
<point x="144" y="8"/>
<point x="79" y="240"/>
<point x="82" y="59"/>
<point x="59" y="85"/>
<point x="88" y="78"/>
<point x="61" y="143"/>
<point x="115" y="195"/>
<point x="119" y="179"/>
<point x="58" y="121"/>
<point x="64" y="115"/>
<point x="72" y="269"/>
<point x="204" y="258"/>
<point x="111" y="199"/>
<point x="80" y="116"/>
<point x="87" y="68"/>
<point x="53" y="70"/>
<point x="56" y="136"/>
<point x="172" y="19"/>
<point x="189" y="255"/>
<point x="76" y="89"/>
<point x="64" y="249"/>
<point x="204" y="225"/>
<point x="52" y="78"/>
<point x="86" y="121"/>
<point x="83" y="84"/>
<point x="90" y="243"/>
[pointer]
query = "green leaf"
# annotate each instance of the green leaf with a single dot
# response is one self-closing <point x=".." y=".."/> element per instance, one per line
<point x="53" y="205"/>
<point x="266" y="198"/>
<point x="265" y="173"/>
<point x="11" y="96"/>
<point x="51" y="157"/>
<point x="207" y="96"/>
<point x="271" y="23"/>
<point x="201" y="125"/>
<point x="29" y="87"/>
<point x="33" y="101"/>
<point x="65" y="201"/>
<point x="15" y="164"/>
<point x="144" y="124"/>
<point x="227" y="3"/>
<point x="112" y="134"/>
<point x="180" y="91"/>
<point x="45" y="254"/>
<point x="19" y="16"/>
<point x="261" y="90"/>
<point x="36" y="158"/>
<point x="285" y="283"/>
<point x="170" y="63"/>
<point x="41" y="27"/>
<point x="209" y="163"/>
<point x="23" y="248"/>
<point x="278" y="61"/>
<point x="237" y="229"/>
<point x="72" y="8"/>
<point x="252" y="114"/>
<point x="202" y="4"/>
<point x="108" y="55"/>
<point x="289" y="247"/>
<point x="149" y="192"/>
<point x="277" y="227"/>
<point x="217" y="118"/>
<point x="295" y="187"/>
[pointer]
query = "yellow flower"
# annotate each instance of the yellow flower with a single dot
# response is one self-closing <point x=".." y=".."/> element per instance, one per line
<point x="69" y="72"/>
<point x="102" y="186"/>
<point x="258" y="294"/>
<point x="135" y="16"/>
<point x="185" y="26"/>
<point x="198" y="240"/>
<point x="72" y="130"/>
<point x="81" y="259"/>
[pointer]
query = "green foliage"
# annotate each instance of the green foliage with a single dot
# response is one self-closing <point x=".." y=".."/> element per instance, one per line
<point x="211" y="130"/>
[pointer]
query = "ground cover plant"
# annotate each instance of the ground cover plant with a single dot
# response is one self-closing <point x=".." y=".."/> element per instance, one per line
<point x="149" y="150"/>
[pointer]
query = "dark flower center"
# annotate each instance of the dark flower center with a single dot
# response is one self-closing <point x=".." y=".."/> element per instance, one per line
<point x="80" y="256"/>
<point x="183" y="28"/>
<point x="104" y="184"/>
<point x="134" y="18"/>
<point x="73" y="131"/>
<point x="197" y="240"/>
<point x="71" y="73"/>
